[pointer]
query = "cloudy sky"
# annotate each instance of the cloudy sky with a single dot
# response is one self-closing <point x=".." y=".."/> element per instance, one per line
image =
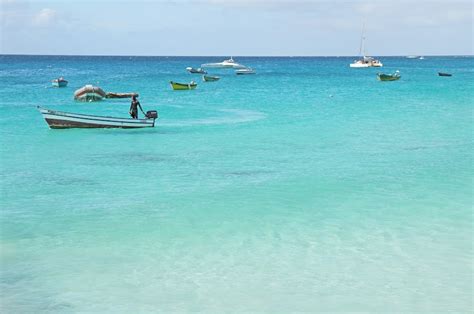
<point x="236" y="27"/>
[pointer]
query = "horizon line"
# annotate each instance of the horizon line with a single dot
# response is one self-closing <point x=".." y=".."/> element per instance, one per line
<point x="226" y="56"/>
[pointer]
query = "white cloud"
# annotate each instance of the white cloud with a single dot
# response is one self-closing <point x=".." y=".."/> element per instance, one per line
<point x="45" y="17"/>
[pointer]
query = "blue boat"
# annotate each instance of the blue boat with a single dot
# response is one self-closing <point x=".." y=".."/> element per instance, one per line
<point x="59" y="82"/>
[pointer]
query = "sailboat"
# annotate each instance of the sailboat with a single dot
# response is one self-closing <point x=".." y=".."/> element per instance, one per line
<point x="365" y="61"/>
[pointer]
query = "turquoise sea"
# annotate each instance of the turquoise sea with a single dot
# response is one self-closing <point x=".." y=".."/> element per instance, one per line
<point x="309" y="186"/>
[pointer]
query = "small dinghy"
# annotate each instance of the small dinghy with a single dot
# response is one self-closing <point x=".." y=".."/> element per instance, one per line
<point x="389" y="77"/>
<point x="183" y="86"/>
<point x="444" y="74"/>
<point x="244" y="71"/>
<point x="66" y="120"/>
<point x="196" y="71"/>
<point x="210" y="78"/>
<point x="89" y="93"/>
<point x="59" y="82"/>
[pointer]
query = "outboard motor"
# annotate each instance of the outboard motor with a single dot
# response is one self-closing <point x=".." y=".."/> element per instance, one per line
<point x="152" y="114"/>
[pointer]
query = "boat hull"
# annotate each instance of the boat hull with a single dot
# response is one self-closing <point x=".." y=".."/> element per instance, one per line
<point x="386" y="77"/>
<point x="245" y="73"/>
<point x="444" y="74"/>
<point x="206" y="78"/>
<point x="66" y="120"/>
<point x="181" y="86"/>
<point x="196" y="71"/>
<point x="56" y="83"/>
<point x="359" y="65"/>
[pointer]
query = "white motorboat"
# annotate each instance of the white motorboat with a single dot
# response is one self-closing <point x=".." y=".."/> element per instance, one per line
<point x="229" y="63"/>
<point x="245" y="71"/>
<point x="196" y="71"/>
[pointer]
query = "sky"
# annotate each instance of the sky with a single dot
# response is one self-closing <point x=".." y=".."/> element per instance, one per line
<point x="236" y="27"/>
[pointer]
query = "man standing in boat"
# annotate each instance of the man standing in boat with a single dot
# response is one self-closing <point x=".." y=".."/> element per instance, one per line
<point x="134" y="108"/>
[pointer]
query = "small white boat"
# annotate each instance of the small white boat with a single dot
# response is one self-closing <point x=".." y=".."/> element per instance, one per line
<point x="245" y="71"/>
<point x="196" y="71"/>
<point x="229" y="63"/>
<point x="67" y="120"/>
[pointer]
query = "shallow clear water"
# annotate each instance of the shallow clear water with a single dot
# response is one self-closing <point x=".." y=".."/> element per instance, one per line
<point x="309" y="186"/>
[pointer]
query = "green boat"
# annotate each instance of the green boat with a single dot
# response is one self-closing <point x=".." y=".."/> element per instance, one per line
<point x="389" y="77"/>
<point x="210" y="78"/>
<point x="183" y="86"/>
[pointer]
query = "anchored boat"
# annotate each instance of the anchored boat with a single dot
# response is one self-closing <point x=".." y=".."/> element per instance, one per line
<point x="183" y="86"/>
<point x="196" y="71"/>
<point x="210" y="78"/>
<point x="365" y="61"/>
<point x="229" y="63"/>
<point x="444" y="74"/>
<point x="89" y="93"/>
<point x="67" y="120"/>
<point x="245" y="71"/>
<point x="389" y="77"/>
<point x="59" y="82"/>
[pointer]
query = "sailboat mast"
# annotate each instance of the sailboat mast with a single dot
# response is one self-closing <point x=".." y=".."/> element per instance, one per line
<point x="362" y="39"/>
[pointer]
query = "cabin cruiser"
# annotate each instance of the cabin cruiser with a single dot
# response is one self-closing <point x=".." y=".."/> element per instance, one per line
<point x="229" y="63"/>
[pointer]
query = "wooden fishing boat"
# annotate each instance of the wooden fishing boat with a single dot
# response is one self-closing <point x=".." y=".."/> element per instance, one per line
<point x="59" y="82"/>
<point x="89" y="93"/>
<point x="67" y="120"/>
<point x="183" y="86"/>
<point x="444" y="74"/>
<point x="210" y="78"/>
<point x="196" y="71"/>
<point x="389" y="77"/>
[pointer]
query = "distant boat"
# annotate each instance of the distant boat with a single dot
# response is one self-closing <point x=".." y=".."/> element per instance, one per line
<point x="412" y="57"/>
<point x="196" y="71"/>
<point x="59" y="82"/>
<point x="120" y="95"/>
<point x="183" y="86"/>
<point x="229" y="63"/>
<point x="389" y="77"/>
<point x="66" y="120"/>
<point x="421" y="58"/>
<point x="210" y="78"/>
<point x="365" y="61"/>
<point x="89" y="93"/>
<point x="244" y="71"/>
<point x="444" y="74"/>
